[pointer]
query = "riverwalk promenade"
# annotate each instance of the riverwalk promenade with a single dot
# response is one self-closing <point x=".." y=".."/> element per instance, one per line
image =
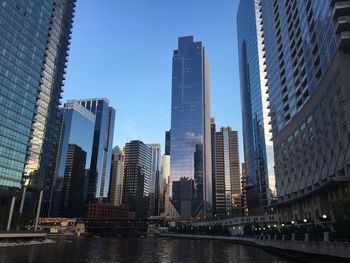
<point x="308" y="251"/>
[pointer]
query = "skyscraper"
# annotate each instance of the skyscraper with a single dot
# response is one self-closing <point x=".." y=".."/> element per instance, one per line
<point x="227" y="173"/>
<point x="31" y="74"/>
<point x="308" y="71"/>
<point x="155" y="179"/>
<point x="258" y="147"/>
<point x="167" y="142"/>
<point x="190" y="122"/>
<point x="117" y="176"/>
<point x="100" y="169"/>
<point x="212" y="136"/>
<point x="73" y="191"/>
<point x="78" y="130"/>
<point x="137" y="178"/>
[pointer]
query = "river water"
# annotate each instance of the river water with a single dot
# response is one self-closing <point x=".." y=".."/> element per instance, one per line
<point x="99" y="250"/>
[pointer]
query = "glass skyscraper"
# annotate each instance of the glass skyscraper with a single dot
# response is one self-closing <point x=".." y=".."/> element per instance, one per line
<point x="258" y="147"/>
<point x="34" y="42"/>
<point x="78" y="131"/>
<point x="308" y="71"/>
<point x="190" y="122"/>
<point x="100" y="169"/>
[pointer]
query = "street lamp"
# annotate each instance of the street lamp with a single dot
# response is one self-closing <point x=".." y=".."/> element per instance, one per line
<point x="324" y="217"/>
<point x="305" y="220"/>
<point x="292" y="222"/>
<point x="282" y="225"/>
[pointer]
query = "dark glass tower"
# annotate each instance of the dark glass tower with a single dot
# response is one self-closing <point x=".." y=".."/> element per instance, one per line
<point x="73" y="194"/>
<point x="308" y="69"/>
<point x="137" y="178"/>
<point x="78" y="129"/>
<point x="34" y="42"/>
<point x="100" y="169"/>
<point x="190" y="121"/>
<point x="258" y="147"/>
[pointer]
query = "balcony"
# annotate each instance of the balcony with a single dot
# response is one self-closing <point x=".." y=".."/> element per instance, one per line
<point x="341" y="8"/>
<point x="344" y="40"/>
<point x="342" y="24"/>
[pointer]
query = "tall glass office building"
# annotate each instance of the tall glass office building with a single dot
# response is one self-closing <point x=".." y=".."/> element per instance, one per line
<point x="100" y="169"/>
<point x="258" y="147"/>
<point x="190" y="121"/>
<point x="78" y="130"/>
<point x="308" y="70"/>
<point x="33" y="47"/>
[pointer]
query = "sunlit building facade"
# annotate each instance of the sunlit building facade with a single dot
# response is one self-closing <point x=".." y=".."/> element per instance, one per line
<point x="190" y="123"/>
<point x="31" y="76"/>
<point x="117" y="176"/>
<point x="258" y="146"/>
<point x="100" y="169"/>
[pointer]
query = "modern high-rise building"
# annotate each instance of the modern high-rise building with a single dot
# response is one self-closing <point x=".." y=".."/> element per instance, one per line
<point x="34" y="42"/>
<point x="190" y="123"/>
<point x="228" y="197"/>
<point x="155" y="179"/>
<point x="308" y="70"/>
<point x="163" y="183"/>
<point x="167" y="142"/>
<point x="73" y="191"/>
<point x="117" y="176"/>
<point x="244" y="191"/>
<point x="100" y="169"/>
<point x="78" y="130"/>
<point x="212" y="136"/>
<point x="137" y="178"/>
<point x="258" y="147"/>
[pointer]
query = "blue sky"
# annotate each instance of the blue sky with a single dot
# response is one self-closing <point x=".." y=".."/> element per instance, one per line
<point x="122" y="50"/>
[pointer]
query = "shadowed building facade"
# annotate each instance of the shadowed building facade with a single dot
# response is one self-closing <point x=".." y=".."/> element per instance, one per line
<point x="137" y="178"/>
<point x="190" y="144"/>
<point x="308" y="68"/>
<point x="227" y="174"/>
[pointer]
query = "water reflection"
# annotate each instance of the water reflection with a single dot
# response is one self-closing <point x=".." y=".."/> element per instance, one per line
<point x="97" y="250"/>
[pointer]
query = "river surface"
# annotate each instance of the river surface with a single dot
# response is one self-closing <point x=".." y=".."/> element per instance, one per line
<point x="100" y="250"/>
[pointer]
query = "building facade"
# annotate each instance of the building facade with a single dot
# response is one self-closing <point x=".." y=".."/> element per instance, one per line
<point x="155" y="179"/>
<point x="258" y="147"/>
<point x="30" y="85"/>
<point x="167" y="142"/>
<point x="227" y="173"/>
<point x="137" y="178"/>
<point x="100" y="169"/>
<point x="244" y="191"/>
<point x="117" y="176"/>
<point x="73" y="191"/>
<point x="308" y="69"/>
<point x="190" y="121"/>
<point x="78" y="130"/>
